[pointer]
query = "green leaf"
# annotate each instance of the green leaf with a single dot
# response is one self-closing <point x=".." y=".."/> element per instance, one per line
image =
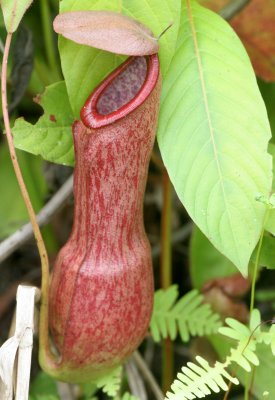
<point x="44" y="397"/>
<point x="158" y="18"/>
<point x="189" y="316"/>
<point x="235" y="330"/>
<point x="13" y="11"/>
<point x="271" y="150"/>
<point x="270" y="224"/>
<point x="84" y="67"/>
<point x="206" y="261"/>
<point x="14" y="217"/>
<point x="43" y="388"/>
<point x="255" y="319"/>
<point x="51" y="136"/>
<point x="213" y="134"/>
<point x="267" y="253"/>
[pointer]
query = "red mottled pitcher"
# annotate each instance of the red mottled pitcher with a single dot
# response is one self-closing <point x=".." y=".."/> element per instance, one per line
<point x="101" y="292"/>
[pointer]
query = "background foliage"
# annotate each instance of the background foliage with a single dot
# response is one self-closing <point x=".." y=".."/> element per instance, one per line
<point x="213" y="136"/>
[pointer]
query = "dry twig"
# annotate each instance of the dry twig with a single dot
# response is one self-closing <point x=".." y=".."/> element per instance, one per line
<point x="22" y="235"/>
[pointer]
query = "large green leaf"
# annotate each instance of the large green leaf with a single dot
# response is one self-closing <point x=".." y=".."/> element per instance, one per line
<point x="267" y="253"/>
<point x="158" y="18"/>
<point x="12" y="217"/>
<point x="13" y="11"/>
<point x="206" y="262"/>
<point x="43" y="388"/>
<point x="84" y="67"/>
<point x="51" y="136"/>
<point x="270" y="223"/>
<point x="213" y="134"/>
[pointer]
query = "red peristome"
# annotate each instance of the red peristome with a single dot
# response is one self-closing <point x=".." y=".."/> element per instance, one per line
<point x="89" y="113"/>
<point x="101" y="292"/>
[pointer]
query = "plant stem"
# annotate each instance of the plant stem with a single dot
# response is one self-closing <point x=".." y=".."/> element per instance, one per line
<point x="253" y="287"/>
<point x="48" y="37"/>
<point x="166" y="275"/>
<point x="233" y="8"/>
<point x="256" y="265"/>
<point x="247" y="386"/>
<point x="39" y="240"/>
<point x="148" y="376"/>
<point x="166" y="258"/>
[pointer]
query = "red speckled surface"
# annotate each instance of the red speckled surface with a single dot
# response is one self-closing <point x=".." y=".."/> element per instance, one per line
<point x="102" y="286"/>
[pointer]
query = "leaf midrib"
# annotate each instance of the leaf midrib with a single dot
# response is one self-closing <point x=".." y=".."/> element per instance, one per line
<point x="206" y="107"/>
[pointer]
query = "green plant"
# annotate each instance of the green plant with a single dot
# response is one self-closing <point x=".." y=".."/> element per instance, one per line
<point x="213" y="135"/>
<point x="198" y="380"/>
<point x="188" y="316"/>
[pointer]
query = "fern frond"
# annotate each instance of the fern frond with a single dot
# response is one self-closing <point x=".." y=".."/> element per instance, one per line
<point x="238" y="331"/>
<point x="188" y="316"/>
<point x="199" y="380"/>
<point x="110" y="384"/>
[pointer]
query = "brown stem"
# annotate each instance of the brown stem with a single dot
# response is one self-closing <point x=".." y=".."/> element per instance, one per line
<point x="25" y="195"/>
<point x="166" y="274"/>
<point x="148" y="376"/>
<point x="233" y="8"/>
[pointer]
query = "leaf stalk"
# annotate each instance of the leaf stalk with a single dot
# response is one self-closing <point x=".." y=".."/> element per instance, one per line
<point x="43" y="325"/>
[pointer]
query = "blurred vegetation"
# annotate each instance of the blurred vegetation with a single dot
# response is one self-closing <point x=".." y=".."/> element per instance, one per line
<point x="34" y="65"/>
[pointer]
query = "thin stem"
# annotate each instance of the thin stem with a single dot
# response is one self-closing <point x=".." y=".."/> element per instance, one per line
<point x="39" y="240"/>
<point x="253" y="288"/>
<point x="247" y="386"/>
<point x="166" y="275"/>
<point x="166" y="257"/>
<point x="228" y="391"/>
<point x="135" y="381"/>
<point x="48" y="36"/>
<point x="233" y="8"/>
<point x="148" y="376"/>
<point x="165" y="30"/>
<point x="256" y="265"/>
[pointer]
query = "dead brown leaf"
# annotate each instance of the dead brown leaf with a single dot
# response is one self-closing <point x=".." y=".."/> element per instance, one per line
<point x="108" y="31"/>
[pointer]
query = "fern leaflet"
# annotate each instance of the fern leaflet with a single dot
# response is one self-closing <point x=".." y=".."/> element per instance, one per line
<point x="188" y="316"/>
<point x="110" y="384"/>
<point x="238" y="331"/>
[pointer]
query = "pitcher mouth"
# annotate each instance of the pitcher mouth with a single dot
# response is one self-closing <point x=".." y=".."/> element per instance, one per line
<point x="125" y="89"/>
